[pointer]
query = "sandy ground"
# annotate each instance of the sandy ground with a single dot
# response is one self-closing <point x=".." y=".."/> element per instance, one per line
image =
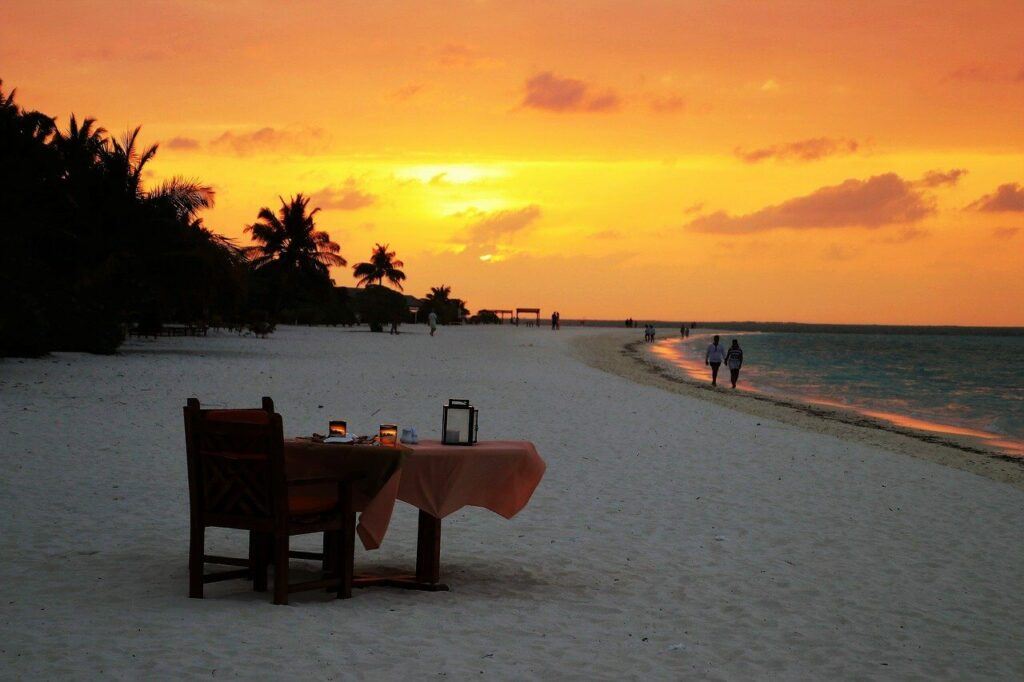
<point x="672" y="536"/>
<point x="624" y="354"/>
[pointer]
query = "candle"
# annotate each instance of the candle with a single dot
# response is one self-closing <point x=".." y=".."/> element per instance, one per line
<point x="388" y="434"/>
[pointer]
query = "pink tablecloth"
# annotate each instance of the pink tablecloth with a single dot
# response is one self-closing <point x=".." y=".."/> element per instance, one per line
<point x="441" y="479"/>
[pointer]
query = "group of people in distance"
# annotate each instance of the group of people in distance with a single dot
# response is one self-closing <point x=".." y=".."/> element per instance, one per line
<point x="733" y="359"/>
<point x="556" y="320"/>
<point x="714" y="357"/>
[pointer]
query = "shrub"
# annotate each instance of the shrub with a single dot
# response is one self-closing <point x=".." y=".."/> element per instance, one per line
<point x="379" y="305"/>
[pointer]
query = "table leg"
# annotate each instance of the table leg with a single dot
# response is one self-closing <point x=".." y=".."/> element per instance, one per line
<point x="428" y="562"/>
<point x="428" y="549"/>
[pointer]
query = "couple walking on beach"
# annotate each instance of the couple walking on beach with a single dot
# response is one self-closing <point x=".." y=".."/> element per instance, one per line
<point x="733" y="358"/>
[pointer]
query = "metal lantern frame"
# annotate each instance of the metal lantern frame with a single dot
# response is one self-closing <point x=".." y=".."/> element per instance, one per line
<point x="474" y="426"/>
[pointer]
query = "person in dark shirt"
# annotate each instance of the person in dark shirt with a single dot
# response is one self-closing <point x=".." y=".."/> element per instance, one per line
<point x="734" y="360"/>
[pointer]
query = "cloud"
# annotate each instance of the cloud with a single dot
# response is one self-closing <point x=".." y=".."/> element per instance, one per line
<point x="347" y="197"/>
<point x="937" y="178"/>
<point x="184" y="144"/>
<point x="973" y="72"/>
<point x="907" y="234"/>
<point x="880" y="200"/>
<point x="811" y="149"/>
<point x="983" y="73"/>
<point x="693" y="208"/>
<point x="1005" y="232"/>
<point x="118" y="53"/>
<point x="492" y="228"/>
<point x="549" y="92"/>
<point x="838" y="252"/>
<point x="770" y="85"/>
<point x="667" y="105"/>
<point x="1008" y="197"/>
<point x="406" y="92"/>
<point x="267" y="139"/>
<point x="459" y="56"/>
<point x="606" y="234"/>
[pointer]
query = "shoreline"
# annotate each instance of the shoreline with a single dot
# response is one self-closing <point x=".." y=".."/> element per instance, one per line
<point x="626" y="357"/>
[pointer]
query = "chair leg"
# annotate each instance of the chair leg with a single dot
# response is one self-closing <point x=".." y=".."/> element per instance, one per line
<point x="281" y="568"/>
<point x="330" y="561"/>
<point x="258" y="560"/>
<point x="196" y="549"/>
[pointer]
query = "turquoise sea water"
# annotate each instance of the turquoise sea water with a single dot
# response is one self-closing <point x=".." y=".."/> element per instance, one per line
<point x="972" y="384"/>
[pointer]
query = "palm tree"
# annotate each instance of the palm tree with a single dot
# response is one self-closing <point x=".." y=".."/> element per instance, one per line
<point x="382" y="265"/>
<point x="81" y="146"/>
<point x="290" y="239"/>
<point x="439" y="296"/>
<point x="123" y="162"/>
<point x="291" y="249"/>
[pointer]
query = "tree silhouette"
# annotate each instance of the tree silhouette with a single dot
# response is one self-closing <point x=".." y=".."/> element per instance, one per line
<point x="448" y="310"/>
<point x="382" y="265"/>
<point x="290" y="250"/>
<point x="291" y="241"/>
<point x="439" y="296"/>
<point x="86" y="248"/>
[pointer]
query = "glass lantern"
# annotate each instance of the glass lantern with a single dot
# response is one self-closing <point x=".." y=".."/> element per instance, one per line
<point x="388" y="435"/>
<point x="338" y="427"/>
<point x="459" y="423"/>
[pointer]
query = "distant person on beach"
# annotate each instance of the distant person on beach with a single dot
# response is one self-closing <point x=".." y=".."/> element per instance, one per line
<point x="734" y="360"/>
<point x="714" y="357"/>
<point x="554" y="321"/>
<point x="682" y="331"/>
<point x="432" y="320"/>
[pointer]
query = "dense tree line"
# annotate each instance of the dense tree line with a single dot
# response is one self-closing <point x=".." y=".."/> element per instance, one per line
<point x="88" y="251"/>
<point x="85" y="247"/>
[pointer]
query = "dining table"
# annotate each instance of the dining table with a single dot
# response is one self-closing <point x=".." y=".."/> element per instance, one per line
<point x="436" y="478"/>
<point x="440" y="479"/>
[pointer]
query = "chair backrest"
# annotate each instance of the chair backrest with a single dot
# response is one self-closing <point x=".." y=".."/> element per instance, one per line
<point x="235" y="466"/>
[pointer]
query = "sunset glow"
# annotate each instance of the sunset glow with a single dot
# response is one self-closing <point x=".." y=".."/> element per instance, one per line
<point x="699" y="160"/>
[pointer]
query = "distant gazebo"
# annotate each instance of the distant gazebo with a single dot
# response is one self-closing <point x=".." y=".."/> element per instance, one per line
<point x="528" y="311"/>
<point x="500" y="313"/>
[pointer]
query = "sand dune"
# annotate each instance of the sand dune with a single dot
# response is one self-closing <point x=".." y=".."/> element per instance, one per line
<point x="671" y="536"/>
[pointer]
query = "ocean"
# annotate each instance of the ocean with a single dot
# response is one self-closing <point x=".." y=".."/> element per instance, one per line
<point x="948" y="380"/>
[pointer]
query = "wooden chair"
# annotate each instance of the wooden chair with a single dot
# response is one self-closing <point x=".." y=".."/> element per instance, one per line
<point x="236" y="476"/>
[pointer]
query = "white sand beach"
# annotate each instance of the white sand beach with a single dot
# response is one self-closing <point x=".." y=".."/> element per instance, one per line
<point x="671" y="537"/>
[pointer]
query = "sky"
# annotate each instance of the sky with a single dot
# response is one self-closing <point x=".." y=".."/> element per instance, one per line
<point x="855" y="162"/>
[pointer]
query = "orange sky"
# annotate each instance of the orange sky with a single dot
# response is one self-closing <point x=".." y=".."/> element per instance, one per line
<point x="707" y="160"/>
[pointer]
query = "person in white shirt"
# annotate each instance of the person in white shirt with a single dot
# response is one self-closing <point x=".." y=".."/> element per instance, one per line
<point x="714" y="357"/>
<point x="432" y="319"/>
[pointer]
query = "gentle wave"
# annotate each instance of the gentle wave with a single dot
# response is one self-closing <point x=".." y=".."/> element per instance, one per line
<point x="966" y="385"/>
